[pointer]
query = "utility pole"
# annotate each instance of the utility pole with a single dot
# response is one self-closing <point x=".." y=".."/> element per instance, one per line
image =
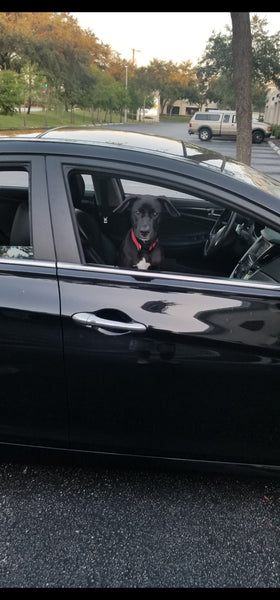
<point x="125" y="110"/>
<point x="133" y="55"/>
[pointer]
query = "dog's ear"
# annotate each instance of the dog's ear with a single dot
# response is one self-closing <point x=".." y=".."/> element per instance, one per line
<point x="168" y="206"/>
<point x="125" y="204"/>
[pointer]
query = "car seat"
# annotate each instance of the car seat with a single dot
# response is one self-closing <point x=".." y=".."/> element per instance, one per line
<point x="97" y="247"/>
<point x="20" y="231"/>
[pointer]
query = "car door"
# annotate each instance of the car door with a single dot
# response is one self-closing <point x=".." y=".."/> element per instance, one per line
<point x="32" y="399"/>
<point x="159" y="364"/>
<point x="229" y="124"/>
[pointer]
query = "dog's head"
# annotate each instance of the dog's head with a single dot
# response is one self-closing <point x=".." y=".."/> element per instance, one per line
<point x="145" y="214"/>
<point x="145" y="217"/>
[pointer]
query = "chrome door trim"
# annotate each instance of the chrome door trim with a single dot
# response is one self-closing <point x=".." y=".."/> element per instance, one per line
<point x="148" y="275"/>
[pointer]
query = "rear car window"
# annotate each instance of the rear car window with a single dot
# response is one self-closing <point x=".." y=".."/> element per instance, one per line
<point x="207" y="117"/>
<point x="15" y="234"/>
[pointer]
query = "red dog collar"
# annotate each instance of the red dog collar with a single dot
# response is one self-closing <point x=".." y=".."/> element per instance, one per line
<point x="138" y="245"/>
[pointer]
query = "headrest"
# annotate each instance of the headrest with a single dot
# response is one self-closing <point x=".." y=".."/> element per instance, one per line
<point x="77" y="187"/>
<point x="20" y="232"/>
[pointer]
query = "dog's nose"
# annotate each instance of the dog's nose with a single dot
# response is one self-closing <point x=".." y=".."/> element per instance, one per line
<point x="144" y="232"/>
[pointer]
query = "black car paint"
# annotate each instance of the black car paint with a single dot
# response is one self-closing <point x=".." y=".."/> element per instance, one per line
<point x="199" y="384"/>
<point x="190" y="387"/>
<point x="31" y="357"/>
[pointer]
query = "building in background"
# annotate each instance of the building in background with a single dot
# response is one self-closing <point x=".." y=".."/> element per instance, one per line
<point x="272" y="106"/>
<point x="185" y="108"/>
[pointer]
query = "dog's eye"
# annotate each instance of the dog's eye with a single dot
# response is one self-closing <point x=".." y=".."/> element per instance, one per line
<point x="155" y="214"/>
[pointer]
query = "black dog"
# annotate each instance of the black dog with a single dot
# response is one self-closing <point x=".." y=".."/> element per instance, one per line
<point x="140" y="248"/>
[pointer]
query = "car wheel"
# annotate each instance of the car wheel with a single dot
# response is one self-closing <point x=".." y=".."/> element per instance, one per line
<point x="257" y="137"/>
<point x="204" y="134"/>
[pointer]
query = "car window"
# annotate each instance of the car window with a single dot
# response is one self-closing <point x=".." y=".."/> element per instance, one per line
<point x="15" y="233"/>
<point x="183" y="233"/>
<point x="88" y="183"/>
<point x="133" y="187"/>
<point x="207" y="116"/>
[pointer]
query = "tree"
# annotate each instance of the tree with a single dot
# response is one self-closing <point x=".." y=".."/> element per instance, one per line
<point x="11" y="92"/>
<point x="54" y="44"/>
<point x="215" y="65"/>
<point x="33" y="85"/>
<point x="221" y="92"/>
<point x="242" y="71"/>
<point x="172" y="81"/>
<point x="265" y="53"/>
<point x="107" y="94"/>
<point x="217" y="62"/>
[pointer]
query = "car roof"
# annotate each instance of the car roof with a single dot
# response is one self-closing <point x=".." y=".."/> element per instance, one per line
<point x="221" y="110"/>
<point x="216" y="111"/>
<point x="116" y="137"/>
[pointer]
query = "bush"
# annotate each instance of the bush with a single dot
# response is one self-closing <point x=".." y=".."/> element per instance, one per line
<point x="275" y="130"/>
<point x="175" y="118"/>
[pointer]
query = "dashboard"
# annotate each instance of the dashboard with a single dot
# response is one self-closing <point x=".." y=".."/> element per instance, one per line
<point x="262" y="260"/>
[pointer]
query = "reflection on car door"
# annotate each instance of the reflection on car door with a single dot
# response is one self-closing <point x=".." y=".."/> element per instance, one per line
<point x="175" y="387"/>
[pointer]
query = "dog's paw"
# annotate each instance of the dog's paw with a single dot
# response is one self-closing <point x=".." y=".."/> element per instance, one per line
<point x="143" y="265"/>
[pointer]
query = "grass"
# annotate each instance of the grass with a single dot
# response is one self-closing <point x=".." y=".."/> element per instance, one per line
<point x="44" y="119"/>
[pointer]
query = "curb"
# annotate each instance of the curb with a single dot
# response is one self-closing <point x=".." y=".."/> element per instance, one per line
<point x="274" y="146"/>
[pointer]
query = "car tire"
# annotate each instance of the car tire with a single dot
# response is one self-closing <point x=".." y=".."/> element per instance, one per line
<point x="257" y="136"/>
<point x="204" y="134"/>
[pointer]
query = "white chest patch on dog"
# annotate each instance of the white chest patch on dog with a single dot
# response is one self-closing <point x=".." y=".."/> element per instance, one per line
<point x="143" y="264"/>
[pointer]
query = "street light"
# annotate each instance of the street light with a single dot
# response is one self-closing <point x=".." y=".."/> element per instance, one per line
<point x="125" y="110"/>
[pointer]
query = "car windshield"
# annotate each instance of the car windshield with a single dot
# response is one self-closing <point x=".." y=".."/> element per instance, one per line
<point x="232" y="168"/>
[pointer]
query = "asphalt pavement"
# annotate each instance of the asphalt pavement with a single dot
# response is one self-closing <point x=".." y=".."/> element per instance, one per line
<point x="89" y="527"/>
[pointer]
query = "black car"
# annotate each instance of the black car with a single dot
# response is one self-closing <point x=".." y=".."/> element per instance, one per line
<point x="180" y="363"/>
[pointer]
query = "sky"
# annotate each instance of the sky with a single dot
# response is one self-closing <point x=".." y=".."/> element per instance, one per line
<point x="175" y="36"/>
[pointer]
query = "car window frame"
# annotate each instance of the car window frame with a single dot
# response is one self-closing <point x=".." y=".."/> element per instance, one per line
<point x="39" y="210"/>
<point x="69" y="254"/>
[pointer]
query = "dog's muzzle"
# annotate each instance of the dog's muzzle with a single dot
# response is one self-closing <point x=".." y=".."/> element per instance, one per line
<point x="145" y="244"/>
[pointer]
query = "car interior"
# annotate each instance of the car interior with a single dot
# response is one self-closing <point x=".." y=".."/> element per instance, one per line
<point x="205" y="239"/>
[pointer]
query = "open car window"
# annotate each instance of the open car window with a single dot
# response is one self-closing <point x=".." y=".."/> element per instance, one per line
<point x="133" y="187"/>
<point x="196" y="236"/>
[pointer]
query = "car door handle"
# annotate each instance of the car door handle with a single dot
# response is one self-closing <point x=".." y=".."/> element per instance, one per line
<point x="91" y="320"/>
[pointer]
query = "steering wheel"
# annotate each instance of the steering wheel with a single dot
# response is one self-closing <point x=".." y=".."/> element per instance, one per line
<point x="219" y="232"/>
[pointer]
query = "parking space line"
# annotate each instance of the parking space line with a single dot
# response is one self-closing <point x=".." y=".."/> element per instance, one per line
<point x="274" y="146"/>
